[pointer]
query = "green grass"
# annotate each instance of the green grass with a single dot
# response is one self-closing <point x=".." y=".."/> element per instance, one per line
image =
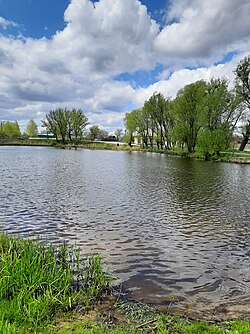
<point x="48" y="290"/>
<point x="40" y="281"/>
<point x="163" y="324"/>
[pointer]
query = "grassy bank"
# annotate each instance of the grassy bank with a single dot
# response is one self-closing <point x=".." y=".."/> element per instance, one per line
<point x="46" y="290"/>
<point x="227" y="156"/>
<point x="40" y="282"/>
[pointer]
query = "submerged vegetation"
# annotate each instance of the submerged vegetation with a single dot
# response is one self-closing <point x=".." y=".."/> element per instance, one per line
<point x="44" y="289"/>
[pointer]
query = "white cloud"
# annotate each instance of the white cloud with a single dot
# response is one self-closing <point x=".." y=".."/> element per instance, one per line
<point x="5" y="23"/>
<point x="110" y="36"/>
<point x="182" y="77"/>
<point x="77" y="66"/>
<point x="203" y="30"/>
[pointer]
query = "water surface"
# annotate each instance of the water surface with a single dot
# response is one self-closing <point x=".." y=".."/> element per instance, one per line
<point x="174" y="229"/>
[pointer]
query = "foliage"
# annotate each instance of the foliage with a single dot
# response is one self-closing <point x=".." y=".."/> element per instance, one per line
<point x="9" y="129"/>
<point x="188" y="113"/>
<point x="242" y="80"/>
<point x="40" y="282"/>
<point x="65" y="123"/>
<point x="151" y="122"/>
<point x="94" y="131"/>
<point x="201" y="119"/>
<point x="158" y="110"/>
<point x="220" y="113"/>
<point x="130" y="121"/>
<point x="77" y="123"/>
<point x="31" y="129"/>
<point x="242" y="84"/>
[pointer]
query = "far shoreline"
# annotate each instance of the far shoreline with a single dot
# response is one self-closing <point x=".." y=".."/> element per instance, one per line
<point x="232" y="156"/>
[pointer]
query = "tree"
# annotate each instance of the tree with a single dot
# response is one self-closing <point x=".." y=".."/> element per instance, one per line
<point x="118" y="133"/>
<point x="31" y="129"/>
<point x="220" y="113"/>
<point x="94" y="131"/>
<point x="246" y="135"/>
<point x="50" y="123"/>
<point x="62" y="117"/>
<point x="103" y="134"/>
<point x="10" y="129"/>
<point x="159" y="119"/>
<point x="130" y="125"/>
<point x="188" y="115"/>
<point x="65" y="123"/>
<point x="77" y="123"/>
<point x="242" y="85"/>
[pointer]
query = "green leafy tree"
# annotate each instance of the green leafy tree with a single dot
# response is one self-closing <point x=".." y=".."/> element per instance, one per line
<point x="156" y="106"/>
<point x="220" y="113"/>
<point x="31" y="129"/>
<point x="130" y="125"/>
<point x="94" y="131"/>
<point x="242" y="85"/>
<point x="160" y="119"/>
<point x="10" y="129"/>
<point x="188" y="113"/>
<point x="77" y="123"/>
<point x="63" y="119"/>
<point x="50" y="123"/>
<point x="65" y="123"/>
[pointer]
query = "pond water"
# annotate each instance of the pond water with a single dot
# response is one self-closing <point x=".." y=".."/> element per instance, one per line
<point x="176" y="231"/>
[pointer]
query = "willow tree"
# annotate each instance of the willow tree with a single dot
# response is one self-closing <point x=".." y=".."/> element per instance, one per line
<point x="242" y="84"/>
<point x="65" y="123"/>
<point x="188" y="113"/>
<point x="220" y="113"/>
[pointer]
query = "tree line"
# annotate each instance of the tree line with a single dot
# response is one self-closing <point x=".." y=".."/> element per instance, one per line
<point x="63" y="123"/>
<point x="202" y="117"/>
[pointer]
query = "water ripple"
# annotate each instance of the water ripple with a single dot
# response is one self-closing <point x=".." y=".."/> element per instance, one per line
<point x="173" y="229"/>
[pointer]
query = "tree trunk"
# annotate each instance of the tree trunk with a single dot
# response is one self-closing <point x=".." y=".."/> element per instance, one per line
<point x="244" y="142"/>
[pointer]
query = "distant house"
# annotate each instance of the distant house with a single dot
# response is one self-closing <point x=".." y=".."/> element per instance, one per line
<point x="110" y="138"/>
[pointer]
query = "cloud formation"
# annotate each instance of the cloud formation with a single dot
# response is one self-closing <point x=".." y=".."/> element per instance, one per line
<point x="77" y="67"/>
<point x="4" y="24"/>
<point x="204" y="29"/>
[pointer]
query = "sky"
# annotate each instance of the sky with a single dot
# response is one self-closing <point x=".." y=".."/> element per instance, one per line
<point x="108" y="56"/>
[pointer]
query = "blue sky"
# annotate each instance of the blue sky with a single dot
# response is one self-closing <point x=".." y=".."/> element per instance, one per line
<point x="111" y="56"/>
<point x="36" y="18"/>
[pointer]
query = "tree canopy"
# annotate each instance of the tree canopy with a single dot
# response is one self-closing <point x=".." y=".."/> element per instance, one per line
<point x="9" y="129"/>
<point x="65" y="123"/>
<point x="203" y="117"/>
<point x="242" y="84"/>
<point x="31" y="129"/>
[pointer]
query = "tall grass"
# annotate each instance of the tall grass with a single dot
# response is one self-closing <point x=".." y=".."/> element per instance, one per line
<point x="38" y="281"/>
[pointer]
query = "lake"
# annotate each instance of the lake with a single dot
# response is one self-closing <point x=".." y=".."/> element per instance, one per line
<point x="175" y="230"/>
